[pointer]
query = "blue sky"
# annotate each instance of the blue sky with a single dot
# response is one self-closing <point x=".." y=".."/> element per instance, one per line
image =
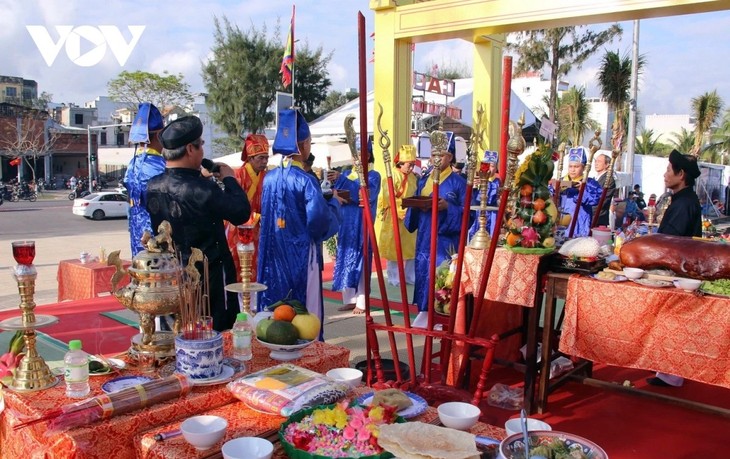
<point x="686" y="55"/>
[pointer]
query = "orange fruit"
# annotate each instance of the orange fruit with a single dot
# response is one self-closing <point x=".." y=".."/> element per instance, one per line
<point x="284" y="312"/>
<point x="539" y="204"/>
<point x="513" y="239"/>
<point x="526" y="190"/>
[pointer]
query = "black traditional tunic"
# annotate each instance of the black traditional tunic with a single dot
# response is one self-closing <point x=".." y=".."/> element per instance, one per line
<point x="195" y="207"/>
<point x="603" y="216"/>
<point x="683" y="217"/>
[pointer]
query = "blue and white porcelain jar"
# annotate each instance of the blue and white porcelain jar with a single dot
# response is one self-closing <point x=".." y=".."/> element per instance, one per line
<point x="199" y="358"/>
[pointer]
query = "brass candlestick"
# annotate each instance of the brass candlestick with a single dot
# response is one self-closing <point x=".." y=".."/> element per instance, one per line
<point x="32" y="373"/>
<point x="481" y="238"/>
<point x="245" y="249"/>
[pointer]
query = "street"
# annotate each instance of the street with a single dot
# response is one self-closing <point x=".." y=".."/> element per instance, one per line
<point x="59" y="235"/>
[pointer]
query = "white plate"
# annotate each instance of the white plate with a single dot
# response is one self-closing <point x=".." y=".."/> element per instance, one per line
<point x="653" y="283"/>
<point x="225" y="376"/>
<point x="618" y="278"/>
<point x="117" y="384"/>
<point x="418" y="407"/>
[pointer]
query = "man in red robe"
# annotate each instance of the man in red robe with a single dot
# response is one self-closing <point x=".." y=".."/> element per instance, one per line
<point x="255" y="157"/>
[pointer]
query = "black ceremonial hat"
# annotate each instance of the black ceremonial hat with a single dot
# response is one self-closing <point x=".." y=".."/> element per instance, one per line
<point x="181" y="132"/>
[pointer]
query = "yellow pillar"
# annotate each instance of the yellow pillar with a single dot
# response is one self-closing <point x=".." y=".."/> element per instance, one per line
<point x="392" y="81"/>
<point x="487" y="75"/>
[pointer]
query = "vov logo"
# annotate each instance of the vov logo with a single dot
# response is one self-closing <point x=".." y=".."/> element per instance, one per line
<point x="97" y="40"/>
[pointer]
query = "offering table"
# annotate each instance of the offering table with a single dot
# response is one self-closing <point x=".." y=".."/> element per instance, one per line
<point x="113" y="438"/>
<point x="515" y="283"/>
<point x="662" y="329"/>
<point x="79" y="281"/>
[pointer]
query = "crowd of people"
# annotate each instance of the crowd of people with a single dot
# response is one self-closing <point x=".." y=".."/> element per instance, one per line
<point x="290" y="217"/>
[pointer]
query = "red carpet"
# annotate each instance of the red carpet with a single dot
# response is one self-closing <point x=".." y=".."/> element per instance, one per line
<point x="83" y="320"/>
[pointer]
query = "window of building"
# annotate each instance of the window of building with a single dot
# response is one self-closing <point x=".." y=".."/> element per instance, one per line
<point x="120" y="138"/>
<point x="11" y="92"/>
<point x="102" y="140"/>
<point x="78" y="118"/>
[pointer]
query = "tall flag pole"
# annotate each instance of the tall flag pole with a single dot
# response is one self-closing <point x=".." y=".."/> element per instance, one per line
<point x="287" y="63"/>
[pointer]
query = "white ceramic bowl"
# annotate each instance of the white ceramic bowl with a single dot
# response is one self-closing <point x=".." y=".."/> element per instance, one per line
<point x="349" y="376"/>
<point x="285" y="352"/>
<point x="513" y="426"/>
<point x="248" y="448"/>
<point x="203" y="432"/>
<point x="633" y="273"/>
<point x="688" y="285"/>
<point x="459" y="415"/>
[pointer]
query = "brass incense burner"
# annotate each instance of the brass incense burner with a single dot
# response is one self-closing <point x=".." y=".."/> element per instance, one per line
<point x="154" y="289"/>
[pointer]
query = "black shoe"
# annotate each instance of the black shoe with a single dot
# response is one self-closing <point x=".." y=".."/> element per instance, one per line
<point x="657" y="382"/>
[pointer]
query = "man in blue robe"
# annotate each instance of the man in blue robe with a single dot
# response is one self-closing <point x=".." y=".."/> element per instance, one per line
<point x="568" y="197"/>
<point x="146" y="163"/>
<point x="349" y="273"/>
<point x="295" y="220"/>
<point x="490" y="160"/>
<point x="451" y="192"/>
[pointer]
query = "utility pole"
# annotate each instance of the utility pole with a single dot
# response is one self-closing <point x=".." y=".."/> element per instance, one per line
<point x="631" y="141"/>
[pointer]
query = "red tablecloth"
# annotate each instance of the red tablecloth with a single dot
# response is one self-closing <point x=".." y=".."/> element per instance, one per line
<point x="78" y="281"/>
<point x="663" y="329"/>
<point x="113" y="438"/>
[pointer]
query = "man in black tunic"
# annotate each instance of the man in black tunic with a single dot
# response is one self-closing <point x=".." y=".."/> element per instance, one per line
<point x="195" y="207"/>
<point x="683" y="217"/>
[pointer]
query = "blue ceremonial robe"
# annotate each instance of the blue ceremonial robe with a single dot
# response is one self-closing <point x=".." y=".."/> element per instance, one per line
<point x="453" y="189"/>
<point x="591" y="196"/>
<point x="293" y="199"/>
<point x="492" y="195"/>
<point x="146" y="164"/>
<point x="349" y="262"/>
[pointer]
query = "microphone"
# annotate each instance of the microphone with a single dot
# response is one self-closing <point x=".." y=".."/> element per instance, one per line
<point x="210" y="166"/>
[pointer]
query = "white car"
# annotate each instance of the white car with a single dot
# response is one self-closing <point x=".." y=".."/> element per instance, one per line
<point x="101" y="205"/>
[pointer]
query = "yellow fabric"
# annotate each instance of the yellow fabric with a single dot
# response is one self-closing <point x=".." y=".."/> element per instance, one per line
<point x="251" y="191"/>
<point x="384" y="222"/>
<point x="428" y="186"/>
<point x="149" y="150"/>
<point x="353" y="175"/>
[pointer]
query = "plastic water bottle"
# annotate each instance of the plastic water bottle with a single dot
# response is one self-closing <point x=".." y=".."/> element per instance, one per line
<point x="242" y="333"/>
<point x="76" y="372"/>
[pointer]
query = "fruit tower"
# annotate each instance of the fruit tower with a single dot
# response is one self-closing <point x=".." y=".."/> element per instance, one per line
<point x="533" y="219"/>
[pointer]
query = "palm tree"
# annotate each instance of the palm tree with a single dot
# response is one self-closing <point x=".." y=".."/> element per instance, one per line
<point x="614" y="79"/>
<point x="683" y="141"/>
<point x="721" y="137"/>
<point x="645" y="145"/>
<point x="573" y="119"/>
<point x="705" y="109"/>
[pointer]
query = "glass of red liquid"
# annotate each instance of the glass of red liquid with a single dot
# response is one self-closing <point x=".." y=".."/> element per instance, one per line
<point x="24" y="252"/>
<point x="245" y="233"/>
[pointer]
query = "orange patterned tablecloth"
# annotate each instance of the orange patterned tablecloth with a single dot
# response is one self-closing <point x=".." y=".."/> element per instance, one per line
<point x="513" y="279"/>
<point x="80" y="281"/>
<point x="113" y="438"/>
<point x="243" y="421"/>
<point x="633" y="326"/>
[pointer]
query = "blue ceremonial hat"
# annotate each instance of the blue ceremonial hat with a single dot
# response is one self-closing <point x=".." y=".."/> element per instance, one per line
<point x="292" y="128"/>
<point x="451" y="143"/>
<point x="148" y="119"/>
<point x="491" y="157"/>
<point x="358" y="144"/>
<point x="577" y="155"/>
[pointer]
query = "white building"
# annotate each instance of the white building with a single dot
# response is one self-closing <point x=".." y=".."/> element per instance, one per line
<point x="666" y="126"/>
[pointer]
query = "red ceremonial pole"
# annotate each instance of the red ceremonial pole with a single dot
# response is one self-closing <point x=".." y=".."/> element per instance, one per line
<point x="370" y="337"/>
<point x="504" y="122"/>
<point x="384" y="144"/>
